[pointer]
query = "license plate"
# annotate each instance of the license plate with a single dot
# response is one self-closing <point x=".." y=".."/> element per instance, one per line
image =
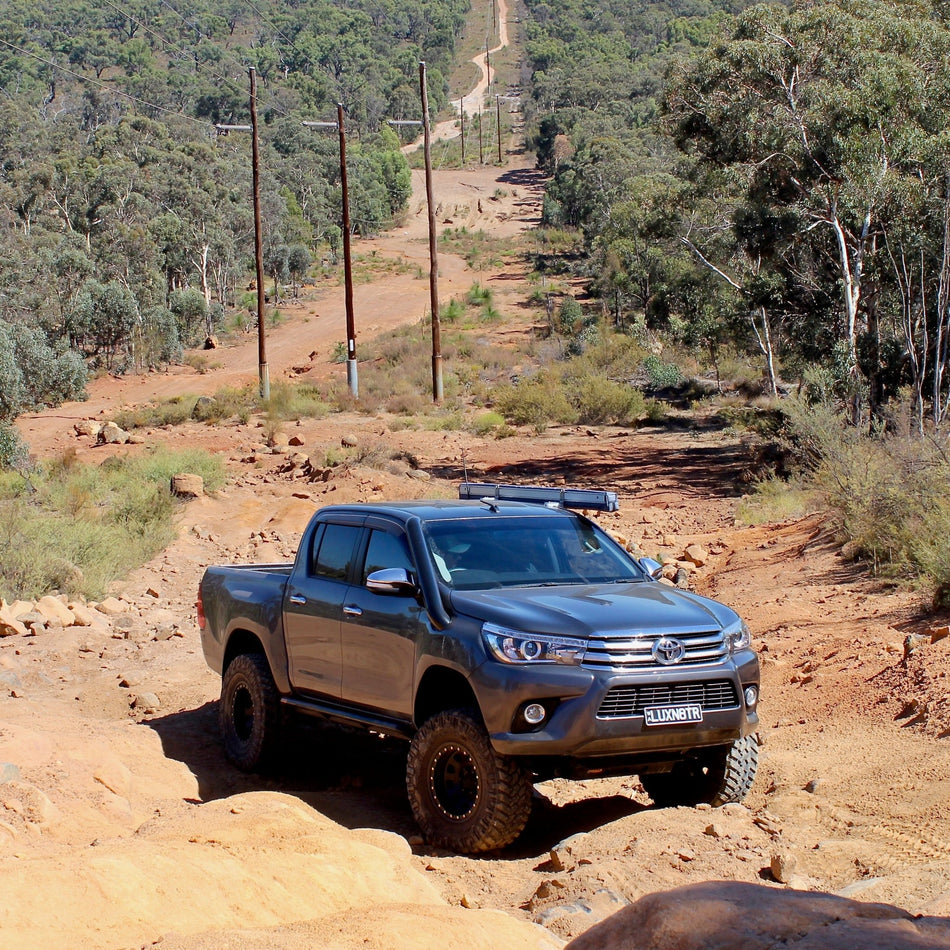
<point x="672" y="715"/>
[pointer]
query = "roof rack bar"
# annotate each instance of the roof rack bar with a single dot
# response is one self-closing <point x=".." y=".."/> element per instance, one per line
<point x="584" y="498"/>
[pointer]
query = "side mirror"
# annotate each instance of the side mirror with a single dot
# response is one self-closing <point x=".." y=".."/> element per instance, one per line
<point x="391" y="580"/>
<point x="653" y="568"/>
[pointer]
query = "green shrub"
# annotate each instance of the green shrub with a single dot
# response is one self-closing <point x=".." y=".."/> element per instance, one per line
<point x="656" y="411"/>
<point x="445" y="422"/>
<point x="890" y="489"/>
<point x="487" y="422"/>
<point x="538" y="401"/>
<point x="302" y="401"/>
<point x="479" y="296"/>
<point x="569" y="316"/>
<point x="662" y="375"/>
<point x="13" y="450"/>
<point x="81" y="527"/>
<point x="199" y="362"/>
<point x="775" y="499"/>
<point x="601" y="401"/>
<point x="226" y="403"/>
<point x="169" y="412"/>
<point x="452" y="311"/>
<point x="34" y="372"/>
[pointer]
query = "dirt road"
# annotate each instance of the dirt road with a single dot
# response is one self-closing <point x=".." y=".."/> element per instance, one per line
<point x="122" y="825"/>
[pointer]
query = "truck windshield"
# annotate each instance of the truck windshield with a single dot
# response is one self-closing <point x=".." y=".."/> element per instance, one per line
<point x="478" y="553"/>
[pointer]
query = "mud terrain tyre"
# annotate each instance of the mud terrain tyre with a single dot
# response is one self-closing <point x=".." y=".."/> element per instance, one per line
<point x="249" y="713"/>
<point x="464" y="796"/>
<point x="715" y="777"/>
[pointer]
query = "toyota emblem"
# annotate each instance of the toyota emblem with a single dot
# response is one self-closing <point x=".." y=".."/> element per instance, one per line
<point x="668" y="650"/>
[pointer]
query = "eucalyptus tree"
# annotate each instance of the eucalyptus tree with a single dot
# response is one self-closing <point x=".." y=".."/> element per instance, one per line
<point x="822" y="112"/>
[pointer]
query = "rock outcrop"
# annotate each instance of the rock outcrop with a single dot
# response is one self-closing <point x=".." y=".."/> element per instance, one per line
<point x="728" y="915"/>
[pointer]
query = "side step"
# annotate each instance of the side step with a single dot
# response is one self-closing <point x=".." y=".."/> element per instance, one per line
<point x="351" y="717"/>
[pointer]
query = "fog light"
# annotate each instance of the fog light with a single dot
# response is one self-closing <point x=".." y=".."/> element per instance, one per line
<point x="534" y="713"/>
<point x="751" y="695"/>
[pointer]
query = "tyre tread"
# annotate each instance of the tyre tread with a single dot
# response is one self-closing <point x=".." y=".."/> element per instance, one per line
<point x="727" y="781"/>
<point x="255" y="670"/>
<point x="507" y="814"/>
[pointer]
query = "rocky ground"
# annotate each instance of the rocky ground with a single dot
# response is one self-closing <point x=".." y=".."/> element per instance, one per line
<point x="121" y="824"/>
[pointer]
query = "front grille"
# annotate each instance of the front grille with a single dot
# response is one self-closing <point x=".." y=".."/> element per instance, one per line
<point x="636" y="651"/>
<point x="624" y="701"/>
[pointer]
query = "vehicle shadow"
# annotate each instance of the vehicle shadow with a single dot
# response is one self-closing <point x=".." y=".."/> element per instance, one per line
<point x="356" y="779"/>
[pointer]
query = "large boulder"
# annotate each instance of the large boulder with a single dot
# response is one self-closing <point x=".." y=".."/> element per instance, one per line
<point x="187" y="485"/>
<point x="55" y="612"/>
<point x="728" y="915"/>
<point x="111" y="434"/>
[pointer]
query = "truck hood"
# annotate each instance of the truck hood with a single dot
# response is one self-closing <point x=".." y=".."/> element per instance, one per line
<point x="583" y="610"/>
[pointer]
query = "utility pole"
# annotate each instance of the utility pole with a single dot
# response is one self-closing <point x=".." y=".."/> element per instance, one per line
<point x="352" y="377"/>
<point x="498" y="125"/>
<point x="462" y="118"/>
<point x="481" y="150"/>
<point x="488" y="68"/>
<point x="433" y="251"/>
<point x="258" y="244"/>
<point x="258" y="239"/>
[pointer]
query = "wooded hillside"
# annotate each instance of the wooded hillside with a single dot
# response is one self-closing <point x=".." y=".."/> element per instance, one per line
<point x="765" y="180"/>
<point x="777" y="180"/>
<point x="125" y="220"/>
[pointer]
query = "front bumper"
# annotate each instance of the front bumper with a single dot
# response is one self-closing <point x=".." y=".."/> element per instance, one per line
<point x="577" y="727"/>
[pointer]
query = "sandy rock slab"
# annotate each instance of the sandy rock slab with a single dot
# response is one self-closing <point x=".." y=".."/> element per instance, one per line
<point x="259" y="869"/>
<point x="386" y="927"/>
<point x="728" y="915"/>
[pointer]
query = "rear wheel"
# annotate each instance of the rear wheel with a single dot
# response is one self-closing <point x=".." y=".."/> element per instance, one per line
<point x="715" y="776"/>
<point x="249" y="713"/>
<point x="464" y="795"/>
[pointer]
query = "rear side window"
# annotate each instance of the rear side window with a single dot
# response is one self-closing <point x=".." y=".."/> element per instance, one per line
<point x="335" y="554"/>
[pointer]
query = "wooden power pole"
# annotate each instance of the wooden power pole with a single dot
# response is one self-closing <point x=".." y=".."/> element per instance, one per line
<point x="258" y="243"/>
<point x="433" y="250"/>
<point x="498" y="125"/>
<point x="351" y="371"/>
<point x="352" y="378"/>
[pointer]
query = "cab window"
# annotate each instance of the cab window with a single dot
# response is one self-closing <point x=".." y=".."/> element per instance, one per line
<point x="335" y="554"/>
<point x="386" y="550"/>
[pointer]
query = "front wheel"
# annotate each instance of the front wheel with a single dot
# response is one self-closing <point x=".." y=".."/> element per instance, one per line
<point x="464" y="795"/>
<point x="715" y="776"/>
<point x="249" y="712"/>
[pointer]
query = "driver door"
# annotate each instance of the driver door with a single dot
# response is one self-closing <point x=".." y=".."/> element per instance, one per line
<point x="380" y="631"/>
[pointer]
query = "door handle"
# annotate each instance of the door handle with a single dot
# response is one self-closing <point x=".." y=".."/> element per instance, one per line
<point x="351" y="610"/>
<point x="297" y="599"/>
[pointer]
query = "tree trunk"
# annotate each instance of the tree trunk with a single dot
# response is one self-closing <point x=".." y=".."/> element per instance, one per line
<point x="764" y="338"/>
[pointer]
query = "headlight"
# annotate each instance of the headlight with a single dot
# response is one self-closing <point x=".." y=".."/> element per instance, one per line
<point x="516" y="646"/>
<point x="738" y="637"/>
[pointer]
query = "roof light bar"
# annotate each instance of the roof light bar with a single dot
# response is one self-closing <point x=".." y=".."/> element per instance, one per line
<point x="585" y="498"/>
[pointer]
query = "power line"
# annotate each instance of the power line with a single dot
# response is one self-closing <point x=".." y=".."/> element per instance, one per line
<point x="102" y="85"/>
<point x="277" y="30"/>
<point x="165" y="40"/>
<point x="293" y="45"/>
<point x="205" y="126"/>
<point x="184" y="50"/>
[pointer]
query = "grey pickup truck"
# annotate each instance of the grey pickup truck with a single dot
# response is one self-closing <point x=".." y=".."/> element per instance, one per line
<point x="507" y="637"/>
